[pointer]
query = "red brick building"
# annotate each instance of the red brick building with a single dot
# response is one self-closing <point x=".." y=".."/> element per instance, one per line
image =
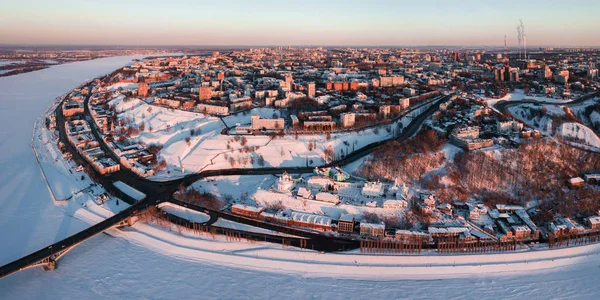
<point x="205" y="92"/>
<point x="142" y="89"/>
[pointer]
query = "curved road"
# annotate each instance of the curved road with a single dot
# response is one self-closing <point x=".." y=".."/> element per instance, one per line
<point x="162" y="191"/>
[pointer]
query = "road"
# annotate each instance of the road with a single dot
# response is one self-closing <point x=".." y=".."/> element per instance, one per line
<point x="72" y="240"/>
<point x="162" y="191"/>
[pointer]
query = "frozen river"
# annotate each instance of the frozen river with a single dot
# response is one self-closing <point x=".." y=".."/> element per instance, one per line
<point x="29" y="220"/>
<point x="113" y="268"/>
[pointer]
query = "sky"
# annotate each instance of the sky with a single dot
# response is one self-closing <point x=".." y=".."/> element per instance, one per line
<point x="309" y="22"/>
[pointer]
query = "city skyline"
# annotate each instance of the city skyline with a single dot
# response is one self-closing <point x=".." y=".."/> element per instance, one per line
<point x="311" y="149"/>
<point x="348" y="23"/>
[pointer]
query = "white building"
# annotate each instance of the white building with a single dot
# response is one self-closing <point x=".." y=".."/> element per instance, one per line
<point x="404" y="103"/>
<point x="347" y="119"/>
<point x="409" y="92"/>
<point x="320" y="183"/>
<point x="327" y="197"/>
<point x="267" y="124"/>
<point x="304" y="193"/>
<point x="373" y="189"/>
<point x="212" y="109"/>
<point x="508" y="126"/>
<point x="402" y="192"/>
<point x="372" y="229"/>
<point x="395" y="204"/>
<point x="285" y="183"/>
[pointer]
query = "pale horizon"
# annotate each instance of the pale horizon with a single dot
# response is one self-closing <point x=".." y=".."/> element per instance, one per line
<point x="307" y="23"/>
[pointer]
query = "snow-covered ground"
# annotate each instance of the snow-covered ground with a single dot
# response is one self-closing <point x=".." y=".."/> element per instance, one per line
<point x="292" y="151"/>
<point x="122" y="85"/>
<point x="59" y="172"/>
<point x="576" y="134"/>
<point x="129" y="191"/>
<point x="580" y="133"/>
<point x="207" y="149"/>
<point x="146" y="261"/>
<point x="29" y="219"/>
<point x="519" y="94"/>
<point x="239" y="226"/>
<point x="113" y="268"/>
<point x="186" y="213"/>
<point x="6" y="62"/>
<point x="234" y="186"/>
<point x="256" y="192"/>
<point x="529" y="114"/>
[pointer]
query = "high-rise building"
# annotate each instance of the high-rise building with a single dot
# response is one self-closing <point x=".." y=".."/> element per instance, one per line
<point x="397" y="80"/>
<point x="347" y="119"/>
<point x="142" y="89"/>
<point x="592" y="74"/>
<point x="311" y="89"/>
<point x="386" y="81"/>
<point x="456" y="56"/>
<point x="514" y="75"/>
<point x="545" y="73"/>
<point x="288" y="81"/>
<point x="404" y="103"/>
<point x="562" y="76"/>
<point x="503" y="74"/>
<point x="205" y="92"/>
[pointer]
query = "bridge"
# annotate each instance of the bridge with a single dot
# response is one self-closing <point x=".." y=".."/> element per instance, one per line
<point x="162" y="191"/>
<point x="48" y="256"/>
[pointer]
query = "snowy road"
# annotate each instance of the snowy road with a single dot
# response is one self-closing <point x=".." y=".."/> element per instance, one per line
<point x="113" y="268"/>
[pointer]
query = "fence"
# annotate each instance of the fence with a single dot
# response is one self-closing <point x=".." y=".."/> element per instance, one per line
<point x="455" y="245"/>
<point x="389" y="246"/>
<point x="230" y="234"/>
<point x="573" y="238"/>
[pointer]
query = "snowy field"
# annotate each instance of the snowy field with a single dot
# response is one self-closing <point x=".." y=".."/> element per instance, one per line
<point x="256" y="190"/>
<point x="528" y="114"/>
<point x="581" y="133"/>
<point x="577" y="134"/>
<point x="62" y="180"/>
<point x="7" y="62"/>
<point x="207" y="149"/>
<point x="153" y="263"/>
<point x="112" y="268"/>
<point x="170" y="128"/>
<point x="519" y="95"/>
